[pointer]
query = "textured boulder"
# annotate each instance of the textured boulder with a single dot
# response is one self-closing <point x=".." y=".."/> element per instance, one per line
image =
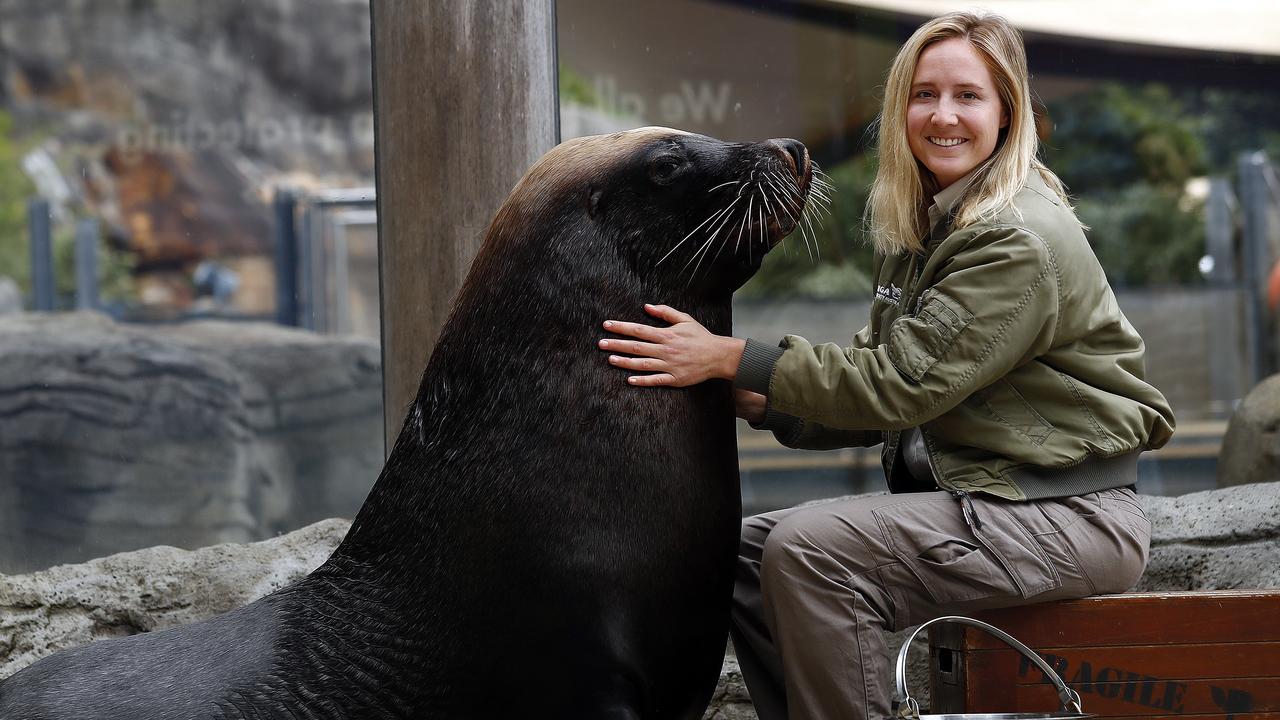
<point x="1251" y="446"/>
<point x="117" y="437"/>
<point x="146" y="590"/>
<point x="1217" y="539"/>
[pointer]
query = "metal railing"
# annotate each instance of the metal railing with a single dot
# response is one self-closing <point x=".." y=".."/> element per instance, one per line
<point x="312" y="254"/>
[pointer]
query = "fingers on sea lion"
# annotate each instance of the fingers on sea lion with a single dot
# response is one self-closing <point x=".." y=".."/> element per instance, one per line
<point x="632" y="347"/>
<point x="636" y="330"/>
<point x="638" y="363"/>
<point x="652" y="380"/>
<point x="668" y="313"/>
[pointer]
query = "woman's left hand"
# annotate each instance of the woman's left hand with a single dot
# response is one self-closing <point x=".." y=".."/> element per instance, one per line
<point x="683" y="354"/>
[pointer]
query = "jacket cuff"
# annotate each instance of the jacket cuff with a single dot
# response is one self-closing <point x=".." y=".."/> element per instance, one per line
<point x="755" y="369"/>
<point x="786" y="428"/>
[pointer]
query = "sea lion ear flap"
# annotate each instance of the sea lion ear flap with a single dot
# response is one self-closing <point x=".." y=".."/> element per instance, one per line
<point x="595" y="198"/>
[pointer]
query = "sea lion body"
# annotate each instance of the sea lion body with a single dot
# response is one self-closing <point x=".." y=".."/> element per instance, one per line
<point x="545" y="541"/>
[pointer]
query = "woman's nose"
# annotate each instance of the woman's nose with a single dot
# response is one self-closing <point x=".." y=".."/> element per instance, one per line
<point x="945" y="115"/>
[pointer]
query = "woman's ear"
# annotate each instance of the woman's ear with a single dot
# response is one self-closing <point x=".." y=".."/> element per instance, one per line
<point x="1004" y="118"/>
<point x="595" y="196"/>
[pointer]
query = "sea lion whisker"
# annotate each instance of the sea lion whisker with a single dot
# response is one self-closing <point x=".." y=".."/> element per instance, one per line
<point x="817" y="250"/>
<point x="765" y="197"/>
<point x="790" y="216"/>
<point x="698" y="255"/>
<point x="710" y="218"/>
<point x="785" y="190"/>
<point x="745" y="223"/>
<point x="731" y="182"/>
<point x="701" y="252"/>
<point x="741" y="227"/>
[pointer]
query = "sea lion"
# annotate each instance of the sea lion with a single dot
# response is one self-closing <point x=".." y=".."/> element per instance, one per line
<point x="545" y="541"/>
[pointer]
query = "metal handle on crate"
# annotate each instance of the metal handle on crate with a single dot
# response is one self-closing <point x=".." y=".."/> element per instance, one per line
<point x="907" y="707"/>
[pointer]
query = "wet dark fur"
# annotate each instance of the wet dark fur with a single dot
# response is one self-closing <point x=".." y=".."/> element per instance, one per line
<point x="545" y="541"/>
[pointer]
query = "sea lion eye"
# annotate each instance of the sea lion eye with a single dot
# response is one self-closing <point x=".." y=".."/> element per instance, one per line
<point x="664" y="169"/>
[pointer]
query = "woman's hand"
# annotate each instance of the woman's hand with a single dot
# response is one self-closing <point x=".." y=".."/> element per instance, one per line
<point x="681" y="355"/>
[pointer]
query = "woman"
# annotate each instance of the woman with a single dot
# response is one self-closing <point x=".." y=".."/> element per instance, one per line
<point x="997" y="369"/>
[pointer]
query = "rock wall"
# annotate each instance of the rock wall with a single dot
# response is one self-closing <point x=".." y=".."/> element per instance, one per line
<point x="118" y="437"/>
<point x="1217" y="539"/>
<point x="1251" y="445"/>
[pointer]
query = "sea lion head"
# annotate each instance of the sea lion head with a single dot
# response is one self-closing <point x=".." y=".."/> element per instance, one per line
<point x="678" y="211"/>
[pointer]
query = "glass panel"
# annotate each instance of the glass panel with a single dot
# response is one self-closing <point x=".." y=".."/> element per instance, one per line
<point x="1146" y="126"/>
<point x="188" y="274"/>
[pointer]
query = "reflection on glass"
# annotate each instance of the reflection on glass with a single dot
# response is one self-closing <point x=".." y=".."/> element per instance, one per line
<point x="1147" y="128"/>
<point x="195" y="179"/>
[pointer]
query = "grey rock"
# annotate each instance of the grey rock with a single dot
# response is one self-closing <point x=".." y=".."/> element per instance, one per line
<point x="147" y="590"/>
<point x="1251" y="446"/>
<point x="10" y="296"/>
<point x="117" y="437"/>
<point x="1217" y="539"/>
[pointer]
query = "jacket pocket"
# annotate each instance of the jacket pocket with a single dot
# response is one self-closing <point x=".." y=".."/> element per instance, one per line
<point x="1002" y="402"/>
<point x="958" y="559"/>
<point x="916" y="343"/>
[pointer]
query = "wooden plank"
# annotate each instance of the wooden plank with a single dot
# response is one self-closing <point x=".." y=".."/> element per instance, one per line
<point x="1132" y="696"/>
<point x="1137" y="619"/>
<point x="1167" y="662"/>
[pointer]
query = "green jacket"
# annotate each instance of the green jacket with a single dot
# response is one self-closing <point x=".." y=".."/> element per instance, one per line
<point x="1002" y="342"/>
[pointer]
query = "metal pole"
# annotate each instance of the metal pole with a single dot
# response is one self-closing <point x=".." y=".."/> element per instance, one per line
<point x="286" y="257"/>
<point x="1230" y="336"/>
<point x="340" y="317"/>
<point x="306" y="270"/>
<point x="1254" y="199"/>
<point x="87" y="264"/>
<point x="40" y="227"/>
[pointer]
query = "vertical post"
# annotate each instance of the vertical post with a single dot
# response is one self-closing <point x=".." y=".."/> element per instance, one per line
<point x="449" y="147"/>
<point x="1229" y="335"/>
<point x="87" y="264"/>
<point x="40" y="228"/>
<point x="340" y="315"/>
<point x="306" y="269"/>
<point x="286" y="256"/>
<point x="1258" y="256"/>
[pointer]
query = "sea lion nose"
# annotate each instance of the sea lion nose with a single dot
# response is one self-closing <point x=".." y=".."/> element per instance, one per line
<point x="795" y="150"/>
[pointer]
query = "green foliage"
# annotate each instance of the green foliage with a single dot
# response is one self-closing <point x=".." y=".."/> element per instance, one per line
<point x="1144" y="234"/>
<point x="840" y="264"/>
<point x="1238" y="121"/>
<point x="1126" y="154"/>
<point x="575" y="89"/>
<point x="115" y="269"/>
<point x="1114" y="135"/>
<point x="15" y="188"/>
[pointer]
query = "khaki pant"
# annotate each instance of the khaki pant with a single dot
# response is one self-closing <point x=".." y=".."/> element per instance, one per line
<point x="819" y="587"/>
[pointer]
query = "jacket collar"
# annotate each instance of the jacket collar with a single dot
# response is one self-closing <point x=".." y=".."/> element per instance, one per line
<point x="944" y="203"/>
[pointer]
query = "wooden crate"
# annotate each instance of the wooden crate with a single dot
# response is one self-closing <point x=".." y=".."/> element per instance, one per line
<point x="1187" y="655"/>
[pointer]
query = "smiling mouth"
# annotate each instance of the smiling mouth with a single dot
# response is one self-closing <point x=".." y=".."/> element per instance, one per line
<point x="946" y="142"/>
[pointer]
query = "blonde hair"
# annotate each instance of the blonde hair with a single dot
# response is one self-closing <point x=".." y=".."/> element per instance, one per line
<point x="896" y="210"/>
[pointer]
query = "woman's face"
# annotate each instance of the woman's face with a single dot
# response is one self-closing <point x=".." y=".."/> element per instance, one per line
<point x="954" y="115"/>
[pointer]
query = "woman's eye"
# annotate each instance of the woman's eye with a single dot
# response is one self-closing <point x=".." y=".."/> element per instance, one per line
<point x="969" y="96"/>
<point x="924" y="94"/>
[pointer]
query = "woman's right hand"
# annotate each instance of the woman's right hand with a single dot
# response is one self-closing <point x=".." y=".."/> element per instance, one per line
<point x="749" y="405"/>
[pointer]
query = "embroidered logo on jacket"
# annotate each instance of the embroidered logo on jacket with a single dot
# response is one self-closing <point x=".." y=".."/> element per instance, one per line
<point x="890" y="294"/>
